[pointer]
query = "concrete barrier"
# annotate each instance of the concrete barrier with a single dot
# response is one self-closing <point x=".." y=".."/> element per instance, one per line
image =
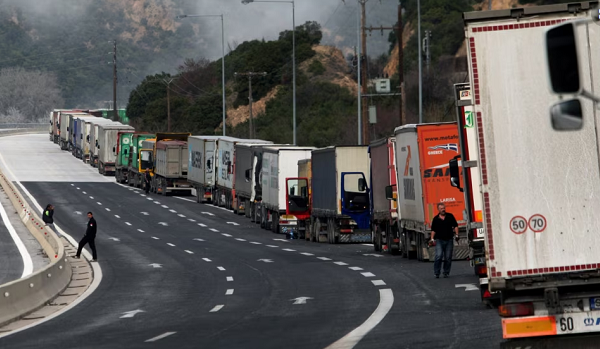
<point x="21" y="297"/>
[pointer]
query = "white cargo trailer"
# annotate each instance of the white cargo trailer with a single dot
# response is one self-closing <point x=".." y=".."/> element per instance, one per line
<point x="540" y="188"/>
<point x="201" y="165"/>
<point x="279" y="164"/>
<point x="86" y="133"/>
<point x="93" y="158"/>
<point x="107" y="146"/>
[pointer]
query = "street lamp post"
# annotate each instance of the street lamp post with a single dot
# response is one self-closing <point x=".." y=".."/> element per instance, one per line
<point x="222" y="60"/>
<point x="245" y="2"/>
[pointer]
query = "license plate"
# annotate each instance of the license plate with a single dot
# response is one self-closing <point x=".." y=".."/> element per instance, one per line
<point x="595" y="303"/>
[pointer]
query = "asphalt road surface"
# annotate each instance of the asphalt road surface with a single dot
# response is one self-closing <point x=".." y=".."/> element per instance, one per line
<point x="11" y="262"/>
<point x="181" y="274"/>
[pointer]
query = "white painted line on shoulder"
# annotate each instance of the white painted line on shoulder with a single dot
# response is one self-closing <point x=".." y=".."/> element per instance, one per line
<point x="386" y="300"/>
<point x="171" y="210"/>
<point x="108" y="209"/>
<point x="141" y="231"/>
<point x="217" y="308"/>
<point x="99" y="203"/>
<point x="155" y="238"/>
<point x="340" y="263"/>
<point x="181" y="215"/>
<point x="202" y="225"/>
<point x="324" y="258"/>
<point x="355" y="268"/>
<point x="164" y="206"/>
<point x="191" y="220"/>
<point x="229" y="278"/>
<point x="213" y="229"/>
<point x="229" y="292"/>
<point x="188" y="251"/>
<point x="164" y="335"/>
<point x="271" y="245"/>
<point x="239" y="239"/>
<point x="170" y="244"/>
<point x="255" y="243"/>
<point x="289" y="250"/>
<point x="307" y="254"/>
<point x="117" y="216"/>
<point x="226" y="235"/>
<point x="368" y="274"/>
<point x="185" y="199"/>
<point x="221" y="268"/>
<point x="206" y="260"/>
<point x="127" y="223"/>
<point x="378" y="282"/>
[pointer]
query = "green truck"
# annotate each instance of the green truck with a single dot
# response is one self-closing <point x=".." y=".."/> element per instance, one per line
<point x="123" y="150"/>
<point x="136" y="168"/>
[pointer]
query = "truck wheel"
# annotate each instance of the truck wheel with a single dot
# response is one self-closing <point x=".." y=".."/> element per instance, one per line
<point x="163" y="187"/>
<point x="390" y="242"/>
<point x="275" y="223"/>
<point x="263" y="223"/>
<point x="377" y="239"/>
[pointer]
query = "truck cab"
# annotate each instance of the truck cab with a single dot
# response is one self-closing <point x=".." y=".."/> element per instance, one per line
<point x="297" y="208"/>
<point x="355" y="201"/>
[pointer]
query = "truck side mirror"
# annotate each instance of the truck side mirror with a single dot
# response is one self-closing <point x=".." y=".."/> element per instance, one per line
<point x="455" y="173"/>
<point x="362" y="184"/>
<point x="567" y="115"/>
<point x="563" y="64"/>
<point x="389" y="193"/>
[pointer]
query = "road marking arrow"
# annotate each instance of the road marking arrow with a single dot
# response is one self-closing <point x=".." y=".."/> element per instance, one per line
<point x="265" y="260"/>
<point x="163" y="223"/>
<point x="372" y="254"/>
<point x="468" y="287"/>
<point x="232" y="223"/>
<point x="208" y="213"/>
<point x="145" y="213"/>
<point x="301" y="300"/>
<point x="155" y="265"/>
<point x="115" y="239"/>
<point x="130" y="314"/>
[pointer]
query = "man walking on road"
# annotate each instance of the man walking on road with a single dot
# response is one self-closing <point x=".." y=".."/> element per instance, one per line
<point x="443" y="226"/>
<point x="89" y="237"/>
<point x="48" y="218"/>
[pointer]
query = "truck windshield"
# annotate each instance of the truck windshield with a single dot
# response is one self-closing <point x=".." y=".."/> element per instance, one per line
<point x="354" y="199"/>
<point x="297" y="195"/>
<point x="146" y="160"/>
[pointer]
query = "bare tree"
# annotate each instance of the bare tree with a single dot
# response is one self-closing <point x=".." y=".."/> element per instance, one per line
<point x="27" y="96"/>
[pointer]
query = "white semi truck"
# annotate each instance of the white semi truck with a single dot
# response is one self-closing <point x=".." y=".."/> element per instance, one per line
<point x="540" y="188"/>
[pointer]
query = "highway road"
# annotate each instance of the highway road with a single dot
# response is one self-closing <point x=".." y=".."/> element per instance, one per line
<point x="178" y="273"/>
<point x="11" y="262"/>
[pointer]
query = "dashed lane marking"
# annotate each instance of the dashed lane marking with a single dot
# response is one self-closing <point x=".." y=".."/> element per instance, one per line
<point x="355" y="268"/>
<point x="324" y="258"/>
<point x="226" y="235"/>
<point x="141" y="231"/>
<point x="340" y="263"/>
<point x="188" y="251"/>
<point x="229" y="292"/>
<point x="288" y="249"/>
<point x="213" y="229"/>
<point x="368" y="275"/>
<point x="307" y="254"/>
<point x="255" y="243"/>
<point x="117" y="216"/>
<point x="240" y="239"/>
<point x="108" y="209"/>
<point x="202" y="225"/>
<point x="99" y="203"/>
<point x="127" y="223"/>
<point x="164" y="335"/>
<point x="221" y="268"/>
<point x="229" y="278"/>
<point x="155" y="238"/>
<point x="217" y="308"/>
<point x="378" y="282"/>
<point x="206" y="260"/>
<point x="271" y="246"/>
<point x="170" y="244"/>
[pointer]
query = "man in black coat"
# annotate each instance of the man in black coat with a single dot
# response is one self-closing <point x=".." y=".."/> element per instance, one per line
<point x="48" y="218"/>
<point x="89" y="237"/>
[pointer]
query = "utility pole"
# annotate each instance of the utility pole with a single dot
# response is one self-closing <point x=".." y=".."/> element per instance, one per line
<point x="426" y="45"/>
<point x="363" y="34"/>
<point x="250" y="100"/>
<point x="115" y="114"/>
<point x="168" y="82"/>
<point x="420" y="62"/>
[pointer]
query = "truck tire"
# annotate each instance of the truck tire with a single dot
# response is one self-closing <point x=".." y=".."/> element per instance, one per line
<point x="377" y="239"/>
<point x="390" y="240"/>
<point x="163" y="186"/>
<point x="247" y="208"/>
<point x="275" y="223"/>
<point x="263" y="223"/>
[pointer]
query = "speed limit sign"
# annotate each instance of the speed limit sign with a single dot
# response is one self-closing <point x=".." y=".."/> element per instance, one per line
<point x="518" y="225"/>
<point x="537" y="223"/>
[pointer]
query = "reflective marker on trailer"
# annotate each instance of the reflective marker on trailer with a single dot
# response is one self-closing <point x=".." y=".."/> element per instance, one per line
<point x="529" y="327"/>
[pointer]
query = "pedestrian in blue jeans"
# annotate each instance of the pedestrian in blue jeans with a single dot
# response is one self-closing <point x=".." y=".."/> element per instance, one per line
<point x="443" y="227"/>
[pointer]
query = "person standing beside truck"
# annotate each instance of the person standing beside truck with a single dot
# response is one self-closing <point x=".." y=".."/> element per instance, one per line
<point x="147" y="180"/>
<point x="443" y="226"/>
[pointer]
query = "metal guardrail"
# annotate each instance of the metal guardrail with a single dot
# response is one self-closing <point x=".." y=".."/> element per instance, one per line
<point x="23" y="296"/>
<point x="24" y="125"/>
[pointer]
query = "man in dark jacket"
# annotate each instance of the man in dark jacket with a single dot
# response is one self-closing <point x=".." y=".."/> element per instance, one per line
<point x="48" y="218"/>
<point x="443" y="228"/>
<point x="89" y="238"/>
<point x="147" y="180"/>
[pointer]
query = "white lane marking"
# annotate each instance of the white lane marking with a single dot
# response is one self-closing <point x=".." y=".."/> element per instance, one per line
<point x="289" y="250"/>
<point x="255" y="243"/>
<point x="282" y="240"/>
<point x="91" y="197"/>
<point x="170" y="244"/>
<point x="229" y="292"/>
<point x="271" y="246"/>
<point x="117" y="216"/>
<point x="25" y="256"/>
<point x="264" y="260"/>
<point x="165" y="206"/>
<point x="340" y="263"/>
<point x="370" y="245"/>
<point x="84" y="193"/>
<point x="307" y="254"/>
<point x="114" y="239"/>
<point x="127" y="223"/>
<point x="239" y="239"/>
<point x="386" y="300"/>
<point x="155" y="265"/>
<point x="198" y="239"/>
<point x="368" y="274"/>
<point x="140" y="230"/>
<point x="226" y="235"/>
<point x="145" y="213"/>
<point x="217" y="308"/>
<point x="188" y="251"/>
<point x="208" y="213"/>
<point x="232" y="223"/>
<point x="206" y="260"/>
<point x="99" y="203"/>
<point x="151" y="199"/>
<point x="72" y="184"/>
<point x="78" y="212"/>
<point x="143" y="195"/>
<point x="355" y="268"/>
<point x="95" y="266"/>
<point x="221" y="268"/>
<point x="155" y="238"/>
<point x="180" y="198"/>
<point x="202" y="225"/>
<point x="181" y="215"/>
<point x="468" y="287"/>
<point x="166" y="334"/>
<point x="163" y="224"/>
<point x="172" y="210"/>
<point x="324" y="258"/>
<point x="229" y="278"/>
<point x="77" y="188"/>
<point x="378" y="282"/>
<point x="108" y="209"/>
<point x="372" y="254"/>
<point x="213" y="229"/>
<point x="191" y="220"/>
<point x="301" y="300"/>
